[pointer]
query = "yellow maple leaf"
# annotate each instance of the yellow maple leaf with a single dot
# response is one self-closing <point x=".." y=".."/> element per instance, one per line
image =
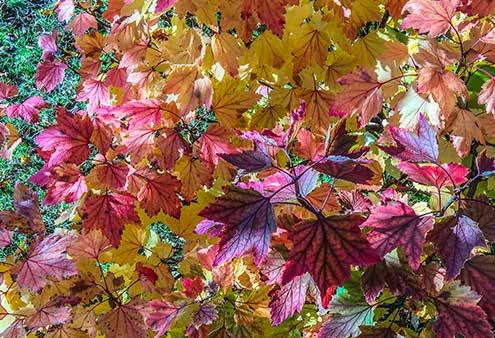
<point x="230" y="99"/>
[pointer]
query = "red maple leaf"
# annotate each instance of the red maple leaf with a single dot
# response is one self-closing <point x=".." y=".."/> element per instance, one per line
<point x="7" y="91"/>
<point x="160" y="315"/>
<point x="159" y="192"/>
<point x="82" y="23"/>
<point x="68" y="140"/>
<point x="67" y="184"/>
<point x="49" y="75"/>
<point x="95" y="93"/>
<point x="213" y="143"/>
<point x="458" y="312"/>
<point x="326" y="248"/>
<point x="446" y="176"/>
<point x="111" y="172"/>
<point x="289" y="298"/>
<point x="109" y="213"/>
<point x="362" y="92"/>
<point x="396" y="224"/>
<point x="145" y="112"/>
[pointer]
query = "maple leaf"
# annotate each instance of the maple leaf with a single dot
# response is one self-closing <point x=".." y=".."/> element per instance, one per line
<point x="95" y="93"/>
<point x="109" y="213"/>
<point x="362" y="93"/>
<point x="159" y="192"/>
<point x="346" y="315"/>
<point x="52" y="313"/>
<point x="487" y="95"/>
<point x="48" y="44"/>
<point x="193" y="286"/>
<point x="249" y="223"/>
<point x="160" y="316"/>
<point x="230" y="100"/>
<point x="123" y="321"/>
<point x="270" y="13"/>
<point x="419" y="146"/>
<point x="206" y="314"/>
<point x="27" y="208"/>
<point x="47" y="258"/>
<point x="444" y="86"/>
<point x="144" y="112"/>
<point x="82" y="23"/>
<point x="28" y="110"/>
<point x="214" y="142"/>
<point x="227" y="49"/>
<point x="90" y="244"/>
<point x="396" y="224"/>
<point x="68" y="140"/>
<point x="308" y="146"/>
<point x="479" y="273"/>
<point x="64" y="9"/>
<point x="326" y="248"/>
<point x="7" y="91"/>
<point x="447" y="175"/>
<point x="289" y="298"/>
<point x="193" y="174"/>
<point x="455" y="238"/>
<point x="481" y="211"/>
<point x="134" y="239"/>
<point x="249" y="160"/>
<point x="5" y="237"/>
<point x="434" y="17"/>
<point x="138" y="143"/>
<point x="345" y="168"/>
<point x="464" y="128"/>
<point x="49" y="74"/>
<point x="458" y="313"/>
<point x="67" y="185"/>
<point x="309" y="44"/>
<point x="391" y="273"/>
<point x="112" y="173"/>
<point x="171" y="146"/>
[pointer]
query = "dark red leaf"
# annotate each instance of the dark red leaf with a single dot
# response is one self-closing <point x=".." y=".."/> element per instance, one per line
<point x="326" y="248"/>
<point x="396" y="224"/>
<point x="249" y="223"/>
<point x="109" y="213"/>
<point x="346" y="168"/>
<point x="455" y="238"/>
<point x="249" y="160"/>
<point x="479" y="273"/>
<point x="482" y="211"/>
<point x="399" y="279"/>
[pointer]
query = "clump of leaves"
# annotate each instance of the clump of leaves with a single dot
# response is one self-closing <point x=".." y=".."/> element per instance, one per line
<point x="258" y="169"/>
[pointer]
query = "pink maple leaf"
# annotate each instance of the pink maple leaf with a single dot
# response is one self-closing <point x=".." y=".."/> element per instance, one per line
<point x="47" y="258"/>
<point x="28" y="110"/>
